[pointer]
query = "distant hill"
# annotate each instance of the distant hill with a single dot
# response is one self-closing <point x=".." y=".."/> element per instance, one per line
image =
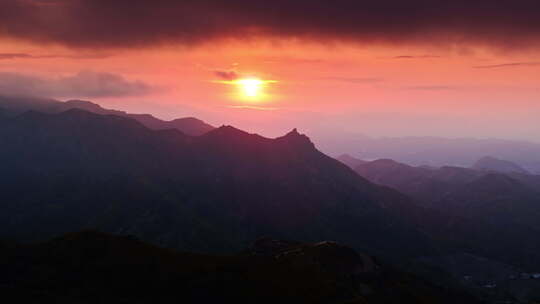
<point x="433" y="151"/>
<point x="350" y="161"/>
<point x="506" y="199"/>
<point x="508" y="205"/>
<point x="189" y="125"/>
<point x="489" y="163"/>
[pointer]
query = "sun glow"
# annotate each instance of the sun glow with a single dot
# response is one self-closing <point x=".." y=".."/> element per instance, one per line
<point x="250" y="89"/>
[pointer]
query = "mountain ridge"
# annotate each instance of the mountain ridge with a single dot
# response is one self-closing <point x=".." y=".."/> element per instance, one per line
<point x="489" y="163"/>
<point x="188" y="125"/>
<point x="217" y="192"/>
<point x="197" y="173"/>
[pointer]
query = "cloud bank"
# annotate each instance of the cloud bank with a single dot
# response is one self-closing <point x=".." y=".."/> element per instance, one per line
<point x="84" y="84"/>
<point x="126" y="23"/>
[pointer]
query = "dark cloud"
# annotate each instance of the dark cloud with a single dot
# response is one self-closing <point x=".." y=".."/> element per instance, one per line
<point x="512" y="24"/>
<point x="505" y="65"/>
<point x="83" y="84"/>
<point x="226" y="75"/>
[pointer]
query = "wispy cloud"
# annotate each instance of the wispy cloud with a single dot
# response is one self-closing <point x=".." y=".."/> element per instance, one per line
<point x="14" y="56"/>
<point x="505" y="65"/>
<point x="8" y="56"/>
<point x="433" y="88"/>
<point x="252" y="107"/>
<point x="415" y="57"/>
<point x="354" y="79"/>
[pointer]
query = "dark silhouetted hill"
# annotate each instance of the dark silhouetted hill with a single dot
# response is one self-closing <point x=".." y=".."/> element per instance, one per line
<point x="92" y="267"/>
<point x="215" y="192"/>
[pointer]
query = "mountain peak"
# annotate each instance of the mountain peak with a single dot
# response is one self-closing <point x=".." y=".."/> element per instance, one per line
<point x="186" y="119"/>
<point x="228" y="132"/>
<point x="87" y="106"/>
<point x="191" y="126"/>
<point x="293" y="132"/>
<point x="296" y="139"/>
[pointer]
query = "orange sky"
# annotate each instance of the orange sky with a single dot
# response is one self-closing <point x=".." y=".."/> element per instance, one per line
<point x="375" y="90"/>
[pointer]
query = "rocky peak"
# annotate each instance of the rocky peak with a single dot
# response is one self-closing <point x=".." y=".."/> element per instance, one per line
<point x="297" y="139"/>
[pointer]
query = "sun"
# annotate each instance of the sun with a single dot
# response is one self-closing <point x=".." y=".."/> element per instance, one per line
<point x="251" y="87"/>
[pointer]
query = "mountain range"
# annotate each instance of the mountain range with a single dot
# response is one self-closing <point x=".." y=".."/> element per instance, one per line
<point x="508" y="203"/>
<point x="212" y="192"/>
<point x="432" y="151"/>
<point x="18" y="105"/>
<point x="65" y="171"/>
<point x="489" y="191"/>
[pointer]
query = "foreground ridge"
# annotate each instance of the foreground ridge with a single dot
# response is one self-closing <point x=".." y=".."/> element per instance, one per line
<point x="82" y="267"/>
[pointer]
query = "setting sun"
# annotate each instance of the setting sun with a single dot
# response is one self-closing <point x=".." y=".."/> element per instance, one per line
<point x="251" y="87"/>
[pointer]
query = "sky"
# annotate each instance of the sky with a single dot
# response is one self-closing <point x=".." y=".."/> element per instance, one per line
<point x="384" y="68"/>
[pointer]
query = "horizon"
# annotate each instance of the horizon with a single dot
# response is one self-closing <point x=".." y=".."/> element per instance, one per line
<point x="286" y="129"/>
